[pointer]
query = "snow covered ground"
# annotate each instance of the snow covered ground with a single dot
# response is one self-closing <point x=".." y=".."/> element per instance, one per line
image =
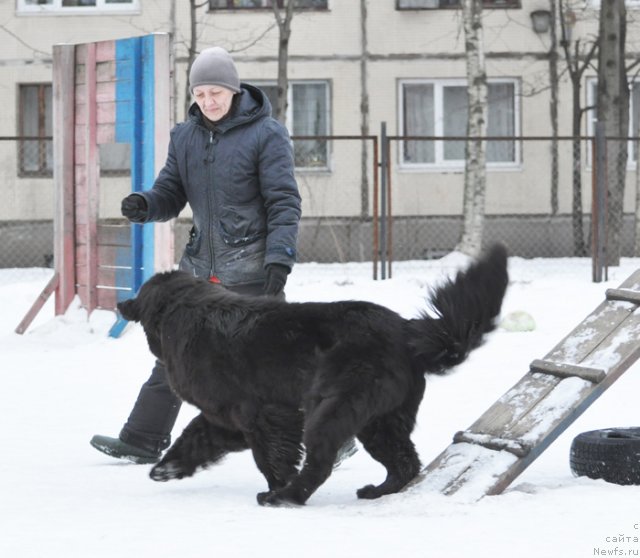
<point x="65" y="380"/>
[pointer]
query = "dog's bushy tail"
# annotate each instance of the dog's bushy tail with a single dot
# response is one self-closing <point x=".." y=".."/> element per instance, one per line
<point x="465" y="308"/>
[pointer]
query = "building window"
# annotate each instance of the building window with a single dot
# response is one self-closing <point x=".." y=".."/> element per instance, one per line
<point x="262" y="4"/>
<point x="77" y="6"/>
<point x="35" y="155"/>
<point x="634" y="116"/>
<point x="595" y="4"/>
<point x="439" y="108"/>
<point x="439" y="4"/>
<point x="307" y="115"/>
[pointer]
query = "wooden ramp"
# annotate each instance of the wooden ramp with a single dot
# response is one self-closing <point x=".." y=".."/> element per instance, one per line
<point x="516" y="429"/>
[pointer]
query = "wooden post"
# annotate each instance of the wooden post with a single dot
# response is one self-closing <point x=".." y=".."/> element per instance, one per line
<point x="63" y="174"/>
<point x="163" y="121"/>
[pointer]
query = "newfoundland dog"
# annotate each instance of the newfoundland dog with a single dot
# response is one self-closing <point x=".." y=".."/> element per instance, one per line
<point x="288" y="380"/>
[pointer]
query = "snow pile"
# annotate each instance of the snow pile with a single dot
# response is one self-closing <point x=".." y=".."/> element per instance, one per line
<point x="65" y="380"/>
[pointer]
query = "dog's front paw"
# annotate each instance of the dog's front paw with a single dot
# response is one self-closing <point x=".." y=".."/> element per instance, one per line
<point x="369" y="492"/>
<point x="170" y="470"/>
<point x="277" y="498"/>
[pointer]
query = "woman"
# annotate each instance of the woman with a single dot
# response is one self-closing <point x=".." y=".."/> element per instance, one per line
<point x="233" y="164"/>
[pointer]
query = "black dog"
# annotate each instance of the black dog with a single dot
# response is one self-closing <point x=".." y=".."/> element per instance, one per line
<point x="274" y="376"/>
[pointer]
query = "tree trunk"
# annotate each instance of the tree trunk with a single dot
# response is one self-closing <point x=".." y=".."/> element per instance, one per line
<point x="613" y="110"/>
<point x="475" y="163"/>
<point x="579" y="246"/>
<point x="284" y="29"/>
<point x="636" y="238"/>
<point x="193" y="48"/>
<point x="364" y="112"/>
<point x="553" y="107"/>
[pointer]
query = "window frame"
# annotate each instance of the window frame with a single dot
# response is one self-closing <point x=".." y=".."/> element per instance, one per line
<point x="595" y="4"/>
<point x="440" y="163"/>
<point x="56" y="8"/>
<point x="42" y="171"/>
<point x="230" y="7"/>
<point x="592" y="98"/>
<point x="487" y="5"/>
<point x="289" y="123"/>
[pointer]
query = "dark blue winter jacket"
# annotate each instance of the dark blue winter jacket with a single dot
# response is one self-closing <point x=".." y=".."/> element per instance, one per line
<point x="237" y="176"/>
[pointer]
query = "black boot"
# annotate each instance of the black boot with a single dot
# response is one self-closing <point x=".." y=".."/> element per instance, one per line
<point x="147" y="432"/>
<point x="137" y="451"/>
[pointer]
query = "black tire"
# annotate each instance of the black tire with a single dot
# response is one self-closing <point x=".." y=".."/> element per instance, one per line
<point x="612" y="454"/>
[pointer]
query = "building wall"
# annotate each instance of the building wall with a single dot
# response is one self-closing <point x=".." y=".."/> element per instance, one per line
<point x="327" y="45"/>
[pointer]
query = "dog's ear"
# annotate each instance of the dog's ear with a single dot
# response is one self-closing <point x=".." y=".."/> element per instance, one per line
<point x="129" y="310"/>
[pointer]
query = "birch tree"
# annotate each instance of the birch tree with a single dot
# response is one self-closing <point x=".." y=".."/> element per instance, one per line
<point x="284" y="34"/>
<point x="475" y="151"/>
<point x="613" y="110"/>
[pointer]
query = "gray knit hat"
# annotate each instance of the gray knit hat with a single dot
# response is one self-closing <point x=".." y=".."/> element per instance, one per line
<point x="214" y="66"/>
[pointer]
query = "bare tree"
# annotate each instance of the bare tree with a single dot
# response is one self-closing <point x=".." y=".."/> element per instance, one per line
<point x="364" y="109"/>
<point x="284" y="34"/>
<point x="244" y="43"/>
<point x="475" y="160"/>
<point x="613" y="110"/>
<point x="578" y="57"/>
<point x="636" y="235"/>
<point x="192" y="47"/>
<point x="553" y="105"/>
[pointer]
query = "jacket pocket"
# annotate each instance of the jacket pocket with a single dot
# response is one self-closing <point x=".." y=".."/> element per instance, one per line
<point x="242" y="224"/>
<point x="195" y="240"/>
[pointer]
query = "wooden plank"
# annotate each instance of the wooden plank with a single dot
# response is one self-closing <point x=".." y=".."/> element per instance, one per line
<point x="106" y="113"/>
<point x="105" y="91"/>
<point x="515" y="404"/>
<point x="516" y="429"/>
<point x="516" y="447"/>
<point x="590" y="332"/>
<point x="106" y="71"/>
<point x="105" y="51"/>
<point x="466" y="470"/>
<point x="627" y="295"/>
<point x="618" y="346"/>
<point x="563" y="370"/>
<point x="63" y="174"/>
<point x="89" y="295"/>
<point x="50" y="288"/>
<point x="516" y="414"/>
<point x="550" y="410"/>
<point x="164" y="237"/>
<point x="81" y="118"/>
<point x="106" y="133"/>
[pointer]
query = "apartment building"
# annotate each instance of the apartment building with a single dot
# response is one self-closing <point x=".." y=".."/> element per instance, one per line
<point x="353" y="65"/>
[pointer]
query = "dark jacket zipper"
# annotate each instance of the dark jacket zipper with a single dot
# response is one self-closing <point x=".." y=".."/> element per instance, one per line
<point x="210" y="205"/>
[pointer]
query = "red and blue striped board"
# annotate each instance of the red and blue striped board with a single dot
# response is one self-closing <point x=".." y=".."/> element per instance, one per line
<point x="108" y="92"/>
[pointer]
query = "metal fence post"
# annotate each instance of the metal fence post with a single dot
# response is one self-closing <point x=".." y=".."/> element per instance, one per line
<point x="599" y="206"/>
<point x="384" y="163"/>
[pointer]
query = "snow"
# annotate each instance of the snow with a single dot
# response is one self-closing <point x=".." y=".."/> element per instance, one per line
<point x="65" y="380"/>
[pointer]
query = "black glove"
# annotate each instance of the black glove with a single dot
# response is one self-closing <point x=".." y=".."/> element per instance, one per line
<point x="276" y="279"/>
<point x="134" y="208"/>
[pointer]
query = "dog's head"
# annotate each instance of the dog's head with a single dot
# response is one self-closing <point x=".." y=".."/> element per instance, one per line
<point x="129" y="310"/>
<point x="150" y="305"/>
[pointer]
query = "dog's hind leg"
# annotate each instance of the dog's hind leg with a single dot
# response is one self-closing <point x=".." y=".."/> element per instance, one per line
<point x="200" y="444"/>
<point x="326" y="430"/>
<point x="276" y="443"/>
<point x="387" y="439"/>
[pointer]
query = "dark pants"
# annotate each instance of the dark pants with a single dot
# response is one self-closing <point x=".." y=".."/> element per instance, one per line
<point x="156" y="409"/>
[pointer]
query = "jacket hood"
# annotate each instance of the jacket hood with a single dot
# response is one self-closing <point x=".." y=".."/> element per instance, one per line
<point x="248" y="105"/>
